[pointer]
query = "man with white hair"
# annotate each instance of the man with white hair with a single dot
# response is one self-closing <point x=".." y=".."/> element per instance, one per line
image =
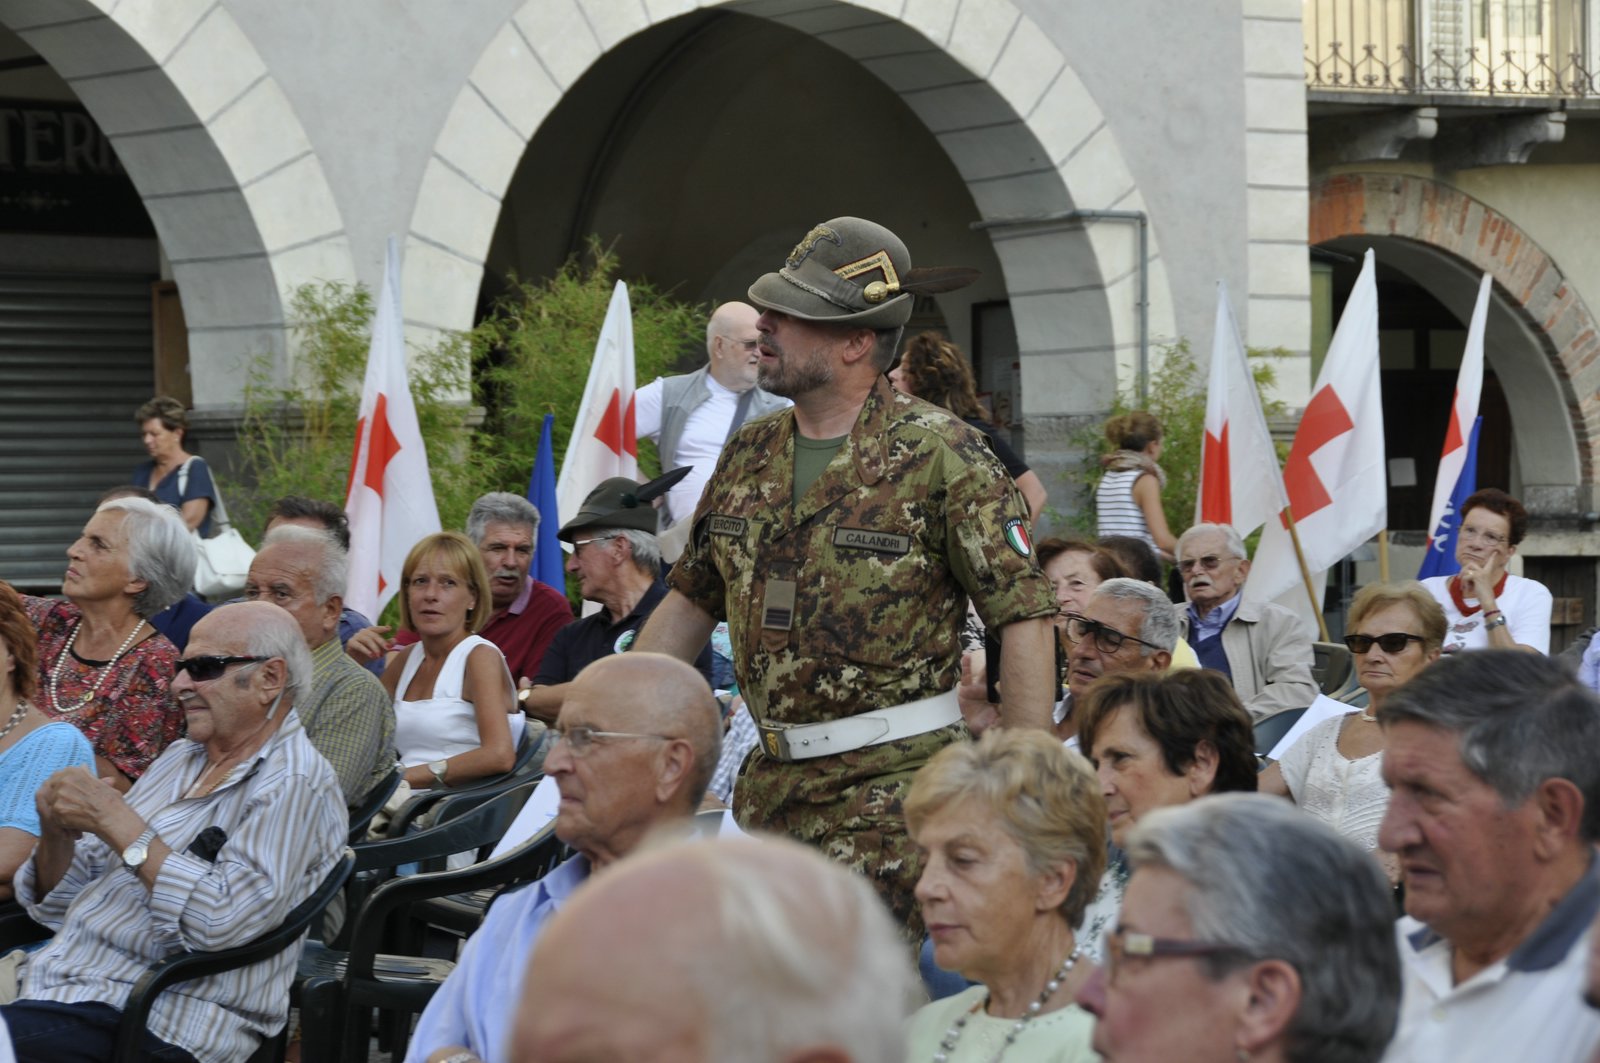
<point x="776" y="953"/>
<point x="225" y="833"/>
<point x="1259" y="646"/>
<point x="346" y="712"/>
<point x="690" y="417"/>
<point x="633" y="750"/>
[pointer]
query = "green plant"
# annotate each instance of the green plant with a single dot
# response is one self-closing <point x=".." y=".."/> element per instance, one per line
<point x="1177" y="397"/>
<point x="532" y="356"/>
<point x="297" y="439"/>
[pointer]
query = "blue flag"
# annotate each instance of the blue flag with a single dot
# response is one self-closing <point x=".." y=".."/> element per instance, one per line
<point x="1441" y="556"/>
<point x="549" y="563"/>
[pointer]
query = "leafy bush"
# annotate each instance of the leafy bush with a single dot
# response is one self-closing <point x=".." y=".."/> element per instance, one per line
<point x="532" y="355"/>
<point x="1177" y="397"/>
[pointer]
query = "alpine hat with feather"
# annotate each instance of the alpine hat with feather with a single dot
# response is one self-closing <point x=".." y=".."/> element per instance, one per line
<point x="621" y="503"/>
<point x="850" y="271"/>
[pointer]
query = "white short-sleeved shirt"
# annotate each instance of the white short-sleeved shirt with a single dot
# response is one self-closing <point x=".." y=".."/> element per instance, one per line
<point x="1529" y="1006"/>
<point x="1525" y="603"/>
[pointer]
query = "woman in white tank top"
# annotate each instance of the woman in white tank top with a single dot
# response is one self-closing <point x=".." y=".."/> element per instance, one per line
<point x="1128" y="500"/>
<point x="453" y="693"/>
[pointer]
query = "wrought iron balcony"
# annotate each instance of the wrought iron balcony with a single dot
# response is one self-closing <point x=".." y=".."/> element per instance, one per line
<point x="1476" y="48"/>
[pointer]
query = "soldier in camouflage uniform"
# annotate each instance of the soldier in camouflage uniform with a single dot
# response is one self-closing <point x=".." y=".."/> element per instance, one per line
<point x="841" y="540"/>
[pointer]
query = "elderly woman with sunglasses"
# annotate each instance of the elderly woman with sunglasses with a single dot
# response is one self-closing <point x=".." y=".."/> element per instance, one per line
<point x="1011" y="831"/>
<point x="1485" y="607"/>
<point x="102" y="667"/>
<point x="1334" y="772"/>
<point x="1231" y="946"/>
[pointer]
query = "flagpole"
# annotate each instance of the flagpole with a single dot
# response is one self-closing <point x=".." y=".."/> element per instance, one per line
<point x="1305" y="574"/>
<point x="1383" y="555"/>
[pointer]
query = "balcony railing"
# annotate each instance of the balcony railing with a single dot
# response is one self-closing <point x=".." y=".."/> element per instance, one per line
<point x="1516" y="48"/>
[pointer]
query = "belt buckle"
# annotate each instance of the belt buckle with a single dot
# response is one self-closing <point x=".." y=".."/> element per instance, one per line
<point x="775" y="742"/>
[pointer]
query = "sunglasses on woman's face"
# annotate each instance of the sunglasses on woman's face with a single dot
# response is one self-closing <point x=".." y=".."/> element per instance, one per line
<point x="1392" y="643"/>
<point x="210" y="666"/>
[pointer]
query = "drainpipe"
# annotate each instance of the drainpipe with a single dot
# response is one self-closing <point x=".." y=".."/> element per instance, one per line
<point x="1136" y="217"/>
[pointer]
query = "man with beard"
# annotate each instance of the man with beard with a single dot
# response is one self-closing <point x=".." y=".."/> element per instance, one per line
<point x="841" y="540"/>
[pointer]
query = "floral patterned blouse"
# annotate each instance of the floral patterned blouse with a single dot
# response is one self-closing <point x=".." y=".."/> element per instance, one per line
<point x="133" y="716"/>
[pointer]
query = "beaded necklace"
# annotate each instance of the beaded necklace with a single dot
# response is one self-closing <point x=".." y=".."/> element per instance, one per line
<point x="947" y="1043"/>
<point x="16" y="717"/>
<point x="105" y="669"/>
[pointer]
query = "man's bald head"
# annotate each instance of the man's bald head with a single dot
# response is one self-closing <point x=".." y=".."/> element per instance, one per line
<point x="660" y="735"/>
<point x="731" y="339"/>
<point x="777" y="953"/>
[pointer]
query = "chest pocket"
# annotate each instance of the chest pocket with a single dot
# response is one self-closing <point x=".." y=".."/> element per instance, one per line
<point x="864" y="594"/>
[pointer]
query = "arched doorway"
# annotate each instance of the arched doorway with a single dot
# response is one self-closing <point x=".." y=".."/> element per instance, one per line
<point x="152" y="172"/>
<point x="978" y="85"/>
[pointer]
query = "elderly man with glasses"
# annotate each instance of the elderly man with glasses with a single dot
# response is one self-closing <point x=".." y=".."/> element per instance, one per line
<point x="1260" y="646"/>
<point x="1127" y="625"/>
<point x="635" y="746"/>
<point x="225" y="833"/>
<point x="617" y="559"/>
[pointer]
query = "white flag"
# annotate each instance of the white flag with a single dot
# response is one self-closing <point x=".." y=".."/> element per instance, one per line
<point x="389" y="498"/>
<point x="1239" y="479"/>
<point x="603" y="443"/>
<point x="1335" y="476"/>
<point x="1442" y="519"/>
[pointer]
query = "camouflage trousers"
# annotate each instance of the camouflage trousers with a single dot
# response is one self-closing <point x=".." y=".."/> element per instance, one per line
<point x="850" y="807"/>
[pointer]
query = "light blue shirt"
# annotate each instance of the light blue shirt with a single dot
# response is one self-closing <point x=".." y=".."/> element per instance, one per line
<point x="476" y="1004"/>
<point x="1202" y="628"/>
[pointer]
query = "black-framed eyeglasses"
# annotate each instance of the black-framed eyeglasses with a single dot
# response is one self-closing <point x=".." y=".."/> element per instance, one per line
<point x="581" y="739"/>
<point x="1108" y="639"/>
<point x="1210" y="562"/>
<point x="1120" y="945"/>
<point x="1391" y="643"/>
<point x="211" y="665"/>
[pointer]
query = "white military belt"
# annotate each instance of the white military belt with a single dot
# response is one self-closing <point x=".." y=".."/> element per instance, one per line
<point x="807" y="740"/>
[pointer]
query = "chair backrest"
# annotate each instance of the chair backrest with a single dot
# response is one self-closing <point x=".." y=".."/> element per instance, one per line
<point x="1332" y="666"/>
<point x="1270" y="731"/>
<point x="362" y="815"/>
<point x="186" y="966"/>
<point x="526" y="765"/>
<point x="474" y="821"/>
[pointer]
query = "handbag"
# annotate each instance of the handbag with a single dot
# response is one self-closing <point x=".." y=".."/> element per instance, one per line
<point x="223" y="560"/>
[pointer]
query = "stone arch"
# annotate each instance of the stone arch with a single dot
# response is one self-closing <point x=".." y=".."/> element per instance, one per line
<point x="1023" y="131"/>
<point x="1555" y="402"/>
<point x="227" y="173"/>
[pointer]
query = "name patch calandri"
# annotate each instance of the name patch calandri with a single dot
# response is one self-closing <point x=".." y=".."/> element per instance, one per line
<point x="866" y="539"/>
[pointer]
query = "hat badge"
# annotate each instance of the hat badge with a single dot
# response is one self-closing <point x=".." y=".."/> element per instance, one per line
<point x="808" y="243"/>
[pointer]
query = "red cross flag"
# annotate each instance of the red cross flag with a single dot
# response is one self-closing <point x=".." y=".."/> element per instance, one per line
<point x="1239" y="479"/>
<point x="1335" y="475"/>
<point x="603" y="442"/>
<point x="389" y="497"/>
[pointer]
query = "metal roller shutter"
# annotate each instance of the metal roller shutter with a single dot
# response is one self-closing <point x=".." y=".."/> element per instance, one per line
<point x="75" y="362"/>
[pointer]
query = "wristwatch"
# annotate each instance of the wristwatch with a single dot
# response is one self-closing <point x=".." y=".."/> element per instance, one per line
<point x="438" y="768"/>
<point x="134" y="856"/>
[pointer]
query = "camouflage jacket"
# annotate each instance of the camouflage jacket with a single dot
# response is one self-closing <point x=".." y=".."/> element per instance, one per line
<point x="912" y="516"/>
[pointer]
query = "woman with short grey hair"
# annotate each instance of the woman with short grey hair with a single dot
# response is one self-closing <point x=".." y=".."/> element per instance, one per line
<point x="102" y="667"/>
<point x="1233" y="943"/>
<point x="1012" y="834"/>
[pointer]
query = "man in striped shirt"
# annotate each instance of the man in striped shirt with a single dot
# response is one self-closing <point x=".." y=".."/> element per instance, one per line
<point x="222" y="836"/>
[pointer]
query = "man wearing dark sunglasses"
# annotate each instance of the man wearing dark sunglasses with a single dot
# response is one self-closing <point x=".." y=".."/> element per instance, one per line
<point x="1260" y="646"/>
<point x="227" y="830"/>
